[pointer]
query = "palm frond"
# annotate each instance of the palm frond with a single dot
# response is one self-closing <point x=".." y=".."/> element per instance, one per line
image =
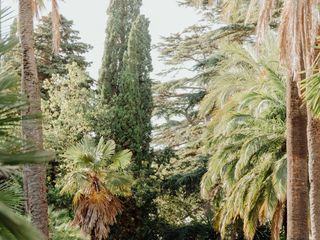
<point x="11" y="195"/>
<point x="17" y="225"/>
<point x="120" y="160"/>
<point x="246" y="138"/>
<point x="96" y="175"/>
<point x="310" y="92"/>
<point x="119" y="184"/>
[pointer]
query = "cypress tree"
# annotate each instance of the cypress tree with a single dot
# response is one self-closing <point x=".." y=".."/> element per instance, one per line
<point x="121" y="15"/>
<point x="132" y="109"/>
<point x="131" y="113"/>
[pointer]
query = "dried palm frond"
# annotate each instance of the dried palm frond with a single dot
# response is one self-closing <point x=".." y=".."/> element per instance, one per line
<point x="277" y="222"/>
<point x="264" y="18"/>
<point x="97" y="175"/>
<point x="298" y="36"/>
<point x="56" y="36"/>
<point x="96" y="212"/>
<point x="37" y="5"/>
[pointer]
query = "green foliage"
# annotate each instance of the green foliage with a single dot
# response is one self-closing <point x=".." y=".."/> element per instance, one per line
<point x="130" y="126"/>
<point x="68" y="108"/>
<point x="246" y="138"/>
<point x="310" y="93"/>
<point x="121" y="15"/>
<point x="180" y="129"/>
<point x="132" y="107"/>
<point x="96" y="175"/>
<point x="110" y="167"/>
<point x="71" y="50"/>
<point x="67" y="113"/>
<point x="194" y="231"/>
<point x="61" y="227"/>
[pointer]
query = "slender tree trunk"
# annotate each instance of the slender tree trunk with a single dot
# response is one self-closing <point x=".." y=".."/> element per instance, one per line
<point x="277" y="222"/>
<point x="297" y="153"/>
<point x="313" y="132"/>
<point x="34" y="175"/>
<point x="314" y="174"/>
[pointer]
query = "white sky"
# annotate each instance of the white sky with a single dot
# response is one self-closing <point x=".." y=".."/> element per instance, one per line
<point x="90" y="19"/>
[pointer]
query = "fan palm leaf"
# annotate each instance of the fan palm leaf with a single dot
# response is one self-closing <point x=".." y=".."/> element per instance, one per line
<point x="96" y="175"/>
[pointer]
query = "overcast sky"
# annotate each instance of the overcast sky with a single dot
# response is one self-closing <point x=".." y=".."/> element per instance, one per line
<point x="90" y="19"/>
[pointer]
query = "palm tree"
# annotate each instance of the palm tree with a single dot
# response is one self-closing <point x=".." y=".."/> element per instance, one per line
<point x="96" y="176"/>
<point x="310" y="94"/>
<point x="12" y="224"/>
<point x="246" y="137"/>
<point x="298" y="30"/>
<point x="34" y="175"/>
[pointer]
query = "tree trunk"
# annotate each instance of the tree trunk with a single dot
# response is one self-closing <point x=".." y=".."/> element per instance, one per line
<point x="297" y="154"/>
<point x="276" y="223"/>
<point x="314" y="174"/>
<point x="34" y="175"/>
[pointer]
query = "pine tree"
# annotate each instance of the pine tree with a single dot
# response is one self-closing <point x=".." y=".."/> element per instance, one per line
<point x="71" y="48"/>
<point x="132" y="108"/>
<point x="48" y="62"/>
<point x="121" y="16"/>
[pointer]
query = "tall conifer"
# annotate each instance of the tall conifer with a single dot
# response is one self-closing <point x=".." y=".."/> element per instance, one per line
<point x="121" y="15"/>
<point x="131" y="126"/>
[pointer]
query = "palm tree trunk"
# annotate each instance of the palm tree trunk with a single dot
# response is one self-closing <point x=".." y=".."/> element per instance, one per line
<point x="297" y="153"/>
<point x="276" y="223"/>
<point x="314" y="174"/>
<point x="34" y="175"/>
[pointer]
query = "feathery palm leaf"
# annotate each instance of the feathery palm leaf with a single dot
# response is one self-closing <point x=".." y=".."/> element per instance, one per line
<point x="246" y="137"/>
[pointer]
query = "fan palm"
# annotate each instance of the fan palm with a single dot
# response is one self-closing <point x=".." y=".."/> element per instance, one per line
<point x="96" y="176"/>
<point x="247" y="139"/>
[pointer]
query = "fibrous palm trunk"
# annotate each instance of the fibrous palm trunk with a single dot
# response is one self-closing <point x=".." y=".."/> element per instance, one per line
<point x="297" y="154"/>
<point x="313" y="132"/>
<point x="314" y="174"/>
<point x="34" y="175"/>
